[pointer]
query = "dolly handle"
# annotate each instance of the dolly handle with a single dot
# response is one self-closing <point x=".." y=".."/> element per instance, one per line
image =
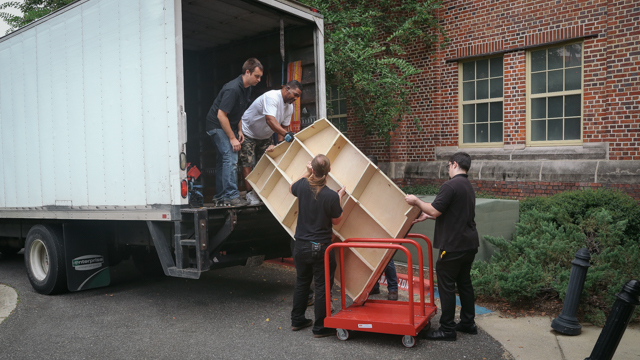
<point x="347" y="244"/>
<point x="430" y="252"/>
<point x="420" y="262"/>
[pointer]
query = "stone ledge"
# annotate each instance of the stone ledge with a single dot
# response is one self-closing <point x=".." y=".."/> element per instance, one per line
<point x="572" y="171"/>
<point x="587" y="151"/>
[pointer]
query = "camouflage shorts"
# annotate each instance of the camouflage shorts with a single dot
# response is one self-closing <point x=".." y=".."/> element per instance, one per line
<point x="252" y="150"/>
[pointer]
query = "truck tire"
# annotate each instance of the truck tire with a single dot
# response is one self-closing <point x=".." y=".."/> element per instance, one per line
<point x="148" y="263"/>
<point x="45" y="260"/>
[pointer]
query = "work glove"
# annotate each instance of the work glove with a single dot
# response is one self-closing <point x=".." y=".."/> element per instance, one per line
<point x="288" y="137"/>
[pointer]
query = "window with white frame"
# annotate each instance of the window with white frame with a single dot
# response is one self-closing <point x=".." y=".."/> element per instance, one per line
<point x="337" y="110"/>
<point x="481" y="105"/>
<point x="555" y="94"/>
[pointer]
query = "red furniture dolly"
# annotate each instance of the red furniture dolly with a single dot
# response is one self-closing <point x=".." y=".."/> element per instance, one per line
<point x="383" y="316"/>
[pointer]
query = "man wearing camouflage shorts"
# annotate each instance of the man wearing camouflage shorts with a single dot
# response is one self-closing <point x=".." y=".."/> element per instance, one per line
<point x="252" y="150"/>
<point x="270" y="113"/>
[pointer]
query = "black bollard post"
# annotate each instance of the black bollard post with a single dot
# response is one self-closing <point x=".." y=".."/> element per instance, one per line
<point x="567" y="323"/>
<point x="617" y="322"/>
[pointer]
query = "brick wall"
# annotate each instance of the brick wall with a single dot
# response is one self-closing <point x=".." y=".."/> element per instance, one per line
<point x="522" y="189"/>
<point x="611" y="91"/>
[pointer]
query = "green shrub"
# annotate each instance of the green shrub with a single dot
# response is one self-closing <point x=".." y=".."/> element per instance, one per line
<point x="537" y="261"/>
<point x="421" y="189"/>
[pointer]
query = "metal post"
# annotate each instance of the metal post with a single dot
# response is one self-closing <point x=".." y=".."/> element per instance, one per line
<point x="567" y="323"/>
<point x="617" y="322"/>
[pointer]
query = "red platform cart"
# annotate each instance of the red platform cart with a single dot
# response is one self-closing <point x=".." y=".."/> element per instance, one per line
<point x="383" y="316"/>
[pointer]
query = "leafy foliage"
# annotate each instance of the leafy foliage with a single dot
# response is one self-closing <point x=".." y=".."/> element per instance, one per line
<point x="537" y="261"/>
<point x="31" y="10"/>
<point x="421" y="189"/>
<point x="365" y="56"/>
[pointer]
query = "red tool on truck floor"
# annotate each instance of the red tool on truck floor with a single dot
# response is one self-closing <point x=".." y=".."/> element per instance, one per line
<point x="383" y="316"/>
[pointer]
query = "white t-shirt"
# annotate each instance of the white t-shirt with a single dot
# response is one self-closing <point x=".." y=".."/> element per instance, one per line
<point x="254" y="121"/>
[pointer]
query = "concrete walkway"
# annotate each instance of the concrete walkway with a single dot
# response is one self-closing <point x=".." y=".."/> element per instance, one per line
<point x="8" y="301"/>
<point x="533" y="338"/>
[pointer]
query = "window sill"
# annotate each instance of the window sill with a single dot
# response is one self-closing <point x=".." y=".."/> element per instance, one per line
<point x="587" y="151"/>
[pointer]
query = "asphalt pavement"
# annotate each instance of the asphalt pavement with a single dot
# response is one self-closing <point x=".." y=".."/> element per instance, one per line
<point x="233" y="313"/>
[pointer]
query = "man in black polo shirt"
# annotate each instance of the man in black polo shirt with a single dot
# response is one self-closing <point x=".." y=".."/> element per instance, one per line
<point x="224" y="126"/>
<point x="457" y="238"/>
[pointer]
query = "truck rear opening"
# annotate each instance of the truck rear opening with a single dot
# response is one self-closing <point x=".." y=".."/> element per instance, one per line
<point x="217" y="37"/>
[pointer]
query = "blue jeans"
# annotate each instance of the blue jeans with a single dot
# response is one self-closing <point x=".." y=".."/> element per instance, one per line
<point x="392" y="277"/>
<point x="226" y="166"/>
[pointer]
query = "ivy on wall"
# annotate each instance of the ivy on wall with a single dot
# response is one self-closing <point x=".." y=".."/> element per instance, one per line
<point x="365" y="55"/>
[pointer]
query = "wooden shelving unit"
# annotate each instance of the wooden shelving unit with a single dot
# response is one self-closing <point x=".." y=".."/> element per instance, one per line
<point x="373" y="208"/>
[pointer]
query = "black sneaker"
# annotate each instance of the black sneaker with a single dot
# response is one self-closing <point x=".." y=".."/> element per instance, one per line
<point x="469" y="329"/>
<point x="324" y="333"/>
<point x="305" y="324"/>
<point x="393" y="295"/>
<point x="441" y="335"/>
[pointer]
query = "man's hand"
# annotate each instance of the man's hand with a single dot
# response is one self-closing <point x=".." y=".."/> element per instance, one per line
<point x="423" y="216"/>
<point x="288" y="137"/>
<point x="309" y="168"/>
<point x="270" y="148"/>
<point x="235" y="144"/>
<point x="240" y="137"/>
<point x="342" y="192"/>
<point x="412" y="200"/>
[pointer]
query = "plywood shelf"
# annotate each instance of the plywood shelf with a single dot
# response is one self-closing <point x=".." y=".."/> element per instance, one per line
<point x="347" y="163"/>
<point x="277" y="195"/>
<point x="377" y="195"/>
<point x="295" y="161"/>
<point x="319" y="137"/>
<point x="373" y="208"/>
<point x="261" y="173"/>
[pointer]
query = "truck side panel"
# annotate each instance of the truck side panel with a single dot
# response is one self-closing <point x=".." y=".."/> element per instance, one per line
<point x="153" y="77"/>
<point x="88" y="109"/>
<point x="93" y="105"/>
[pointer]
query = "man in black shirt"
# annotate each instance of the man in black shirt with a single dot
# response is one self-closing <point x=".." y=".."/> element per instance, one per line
<point x="457" y="238"/>
<point x="224" y="126"/>
<point x="319" y="208"/>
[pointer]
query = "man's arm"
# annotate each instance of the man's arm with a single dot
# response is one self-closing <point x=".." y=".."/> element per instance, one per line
<point x="429" y="212"/>
<point x="226" y="127"/>
<point x="275" y="126"/>
<point x="281" y="137"/>
<point x="341" y="193"/>
<point x="240" y="134"/>
<point x="306" y="173"/>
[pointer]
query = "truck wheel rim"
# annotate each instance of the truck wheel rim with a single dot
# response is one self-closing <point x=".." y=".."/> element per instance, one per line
<point x="39" y="260"/>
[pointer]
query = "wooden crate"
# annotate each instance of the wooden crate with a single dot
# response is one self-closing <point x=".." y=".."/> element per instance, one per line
<point x="373" y="208"/>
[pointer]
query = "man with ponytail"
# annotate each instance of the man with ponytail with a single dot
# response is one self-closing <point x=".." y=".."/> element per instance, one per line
<point x="319" y="208"/>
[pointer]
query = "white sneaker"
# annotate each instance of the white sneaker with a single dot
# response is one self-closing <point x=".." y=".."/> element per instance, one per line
<point x="253" y="198"/>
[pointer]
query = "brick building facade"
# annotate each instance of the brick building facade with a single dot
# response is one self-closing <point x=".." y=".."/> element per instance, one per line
<point x="543" y="94"/>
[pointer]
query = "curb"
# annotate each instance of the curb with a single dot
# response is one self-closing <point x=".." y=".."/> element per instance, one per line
<point x="8" y="301"/>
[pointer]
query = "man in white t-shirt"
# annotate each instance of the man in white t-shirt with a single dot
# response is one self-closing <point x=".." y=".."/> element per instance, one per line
<point x="270" y="113"/>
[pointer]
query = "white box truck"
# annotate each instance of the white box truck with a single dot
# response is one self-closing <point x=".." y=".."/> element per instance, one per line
<point x="95" y="137"/>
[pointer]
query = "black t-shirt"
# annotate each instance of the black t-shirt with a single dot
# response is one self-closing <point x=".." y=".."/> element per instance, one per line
<point x="233" y="99"/>
<point x="315" y="214"/>
<point x="456" y="227"/>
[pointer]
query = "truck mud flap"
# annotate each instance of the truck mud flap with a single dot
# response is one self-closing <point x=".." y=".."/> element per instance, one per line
<point x="86" y="252"/>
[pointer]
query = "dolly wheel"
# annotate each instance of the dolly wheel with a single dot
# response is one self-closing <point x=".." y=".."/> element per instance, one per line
<point x="342" y="334"/>
<point x="408" y="341"/>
